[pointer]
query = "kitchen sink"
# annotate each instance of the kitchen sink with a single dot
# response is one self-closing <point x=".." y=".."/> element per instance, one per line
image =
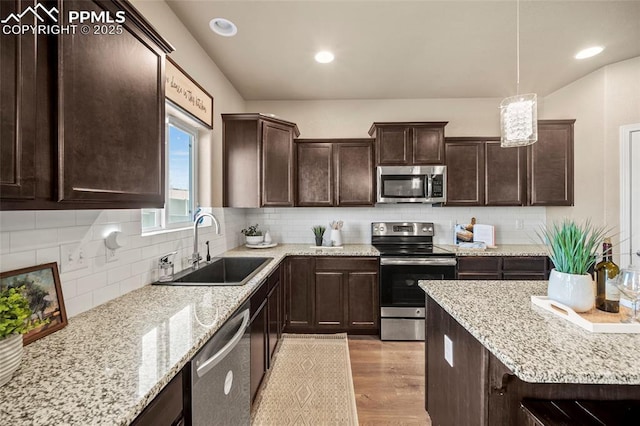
<point x="221" y="271"/>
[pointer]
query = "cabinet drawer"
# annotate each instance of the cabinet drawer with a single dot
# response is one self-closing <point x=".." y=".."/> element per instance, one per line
<point x="480" y="264"/>
<point x="258" y="298"/>
<point x="332" y="263"/>
<point x="166" y="408"/>
<point x="528" y="264"/>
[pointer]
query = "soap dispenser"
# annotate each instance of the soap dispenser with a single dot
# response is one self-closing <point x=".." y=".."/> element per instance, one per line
<point x="165" y="267"/>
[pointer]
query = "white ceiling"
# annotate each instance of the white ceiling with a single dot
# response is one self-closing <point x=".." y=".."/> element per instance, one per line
<point x="409" y="49"/>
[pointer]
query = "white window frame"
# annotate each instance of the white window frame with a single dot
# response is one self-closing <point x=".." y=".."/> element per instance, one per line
<point x="181" y="121"/>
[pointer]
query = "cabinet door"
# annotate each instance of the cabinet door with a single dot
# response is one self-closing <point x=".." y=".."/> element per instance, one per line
<point x="465" y="173"/>
<point x="392" y="146"/>
<point x="277" y="165"/>
<point x="314" y="174"/>
<point x="17" y="107"/>
<point x="354" y="174"/>
<point x="111" y="113"/>
<point x="258" y="348"/>
<point x="428" y="145"/>
<point x="363" y="305"/>
<point x="300" y="291"/>
<point x="505" y="172"/>
<point x="550" y="162"/>
<point x="329" y="300"/>
<point x="166" y="409"/>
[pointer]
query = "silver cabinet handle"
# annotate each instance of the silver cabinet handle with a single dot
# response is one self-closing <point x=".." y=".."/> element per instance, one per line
<point x="219" y="356"/>
<point x="428" y="261"/>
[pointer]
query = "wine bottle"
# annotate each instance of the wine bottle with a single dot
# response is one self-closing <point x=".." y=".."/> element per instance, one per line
<point x="608" y="295"/>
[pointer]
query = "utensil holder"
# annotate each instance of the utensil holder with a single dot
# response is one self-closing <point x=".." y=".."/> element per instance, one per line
<point x="335" y="238"/>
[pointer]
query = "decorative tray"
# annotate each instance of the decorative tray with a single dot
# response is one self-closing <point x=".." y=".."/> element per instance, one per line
<point x="594" y="320"/>
<point x="261" y="245"/>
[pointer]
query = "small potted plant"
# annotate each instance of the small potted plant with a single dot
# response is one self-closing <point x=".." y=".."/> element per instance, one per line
<point x="572" y="248"/>
<point x="318" y="231"/>
<point x="252" y="234"/>
<point x="15" y="320"/>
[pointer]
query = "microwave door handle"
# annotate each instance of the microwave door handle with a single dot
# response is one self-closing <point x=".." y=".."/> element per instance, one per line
<point x="429" y="187"/>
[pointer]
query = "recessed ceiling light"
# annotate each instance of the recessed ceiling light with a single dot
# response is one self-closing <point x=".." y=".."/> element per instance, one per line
<point x="589" y="52"/>
<point x="324" y="57"/>
<point x="223" y="27"/>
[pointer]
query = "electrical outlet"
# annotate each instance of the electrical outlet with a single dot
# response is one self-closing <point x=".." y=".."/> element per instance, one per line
<point x="519" y="223"/>
<point x="448" y="350"/>
<point x="111" y="255"/>
<point x="72" y="258"/>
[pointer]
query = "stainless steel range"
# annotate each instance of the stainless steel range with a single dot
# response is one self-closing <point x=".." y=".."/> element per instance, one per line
<point x="407" y="255"/>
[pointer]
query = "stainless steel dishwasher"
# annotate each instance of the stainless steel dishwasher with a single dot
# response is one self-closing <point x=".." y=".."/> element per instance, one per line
<point x="220" y="376"/>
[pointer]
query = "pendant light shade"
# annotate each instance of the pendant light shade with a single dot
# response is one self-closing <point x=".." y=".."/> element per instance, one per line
<point x="518" y="114"/>
<point x="519" y="120"/>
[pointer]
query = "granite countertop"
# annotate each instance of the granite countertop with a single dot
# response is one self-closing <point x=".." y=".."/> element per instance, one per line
<point x="534" y="344"/>
<point x="110" y="362"/>
<point x="502" y="250"/>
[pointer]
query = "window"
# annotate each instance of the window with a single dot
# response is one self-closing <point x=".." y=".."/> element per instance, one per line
<point x="180" y="158"/>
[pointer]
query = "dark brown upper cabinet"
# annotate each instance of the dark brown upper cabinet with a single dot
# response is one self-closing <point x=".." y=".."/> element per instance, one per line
<point x="482" y="173"/>
<point x="505" y="174"/>
<point x="411" y="143"/>
<point x="334" y="172"/>
<point x="18" y="108"/>
<point x="99" y="128"/>
<point x="550" y="164"/>
<point x="258" y="160"/>
<point x="465" y="171"/>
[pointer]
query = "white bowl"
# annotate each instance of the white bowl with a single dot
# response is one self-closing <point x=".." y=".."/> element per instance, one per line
<point x="255" y="239"/>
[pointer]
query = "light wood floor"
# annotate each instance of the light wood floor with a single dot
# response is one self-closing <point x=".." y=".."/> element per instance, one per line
<point x="388" y="378"/>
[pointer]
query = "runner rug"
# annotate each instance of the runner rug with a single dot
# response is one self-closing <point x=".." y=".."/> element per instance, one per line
<point x="309" y="384"/>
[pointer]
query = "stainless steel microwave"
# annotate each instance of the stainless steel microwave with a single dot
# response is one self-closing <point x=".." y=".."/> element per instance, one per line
<point x="412" y="184"/>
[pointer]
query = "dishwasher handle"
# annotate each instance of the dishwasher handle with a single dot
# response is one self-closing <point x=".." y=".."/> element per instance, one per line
<point x="207" y="365"/>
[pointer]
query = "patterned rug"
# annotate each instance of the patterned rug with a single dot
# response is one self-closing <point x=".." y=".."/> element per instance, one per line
<point x="310" y="383"/>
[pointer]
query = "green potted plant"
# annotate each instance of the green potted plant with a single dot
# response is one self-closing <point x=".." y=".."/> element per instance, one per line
<point x="572" y="248"/>
<point x="252" y="234"/>
<point x="318" y="231"/>
<point x="15" y="320"/>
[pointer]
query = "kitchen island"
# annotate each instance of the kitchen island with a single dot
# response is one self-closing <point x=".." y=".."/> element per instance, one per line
<point x="503" y="349"/>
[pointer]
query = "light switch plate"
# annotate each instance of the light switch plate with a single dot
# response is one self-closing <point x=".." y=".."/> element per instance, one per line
<point x="448" y="350"/>
<point x="72" y="258"/>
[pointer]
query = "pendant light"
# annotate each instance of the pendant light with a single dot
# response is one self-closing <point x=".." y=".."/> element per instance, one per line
<point x="518" y="114"/>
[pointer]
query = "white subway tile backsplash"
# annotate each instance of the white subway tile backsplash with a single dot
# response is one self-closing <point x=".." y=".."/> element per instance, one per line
<point x="17" y="220"/>
<point x="55" y="218"/>
<point x="104" y="294"/>
<point x="16" y="260"/>
<point x="91" y="282"/>
<point x="120" y="273"/>
<point x="47" y="255"/>
<point x="5" y="246"/>
<point x="87" y="217"/>
<point x="69" y="288"/>
<point x="77" y="305"/>
<point x="33" y="239"/>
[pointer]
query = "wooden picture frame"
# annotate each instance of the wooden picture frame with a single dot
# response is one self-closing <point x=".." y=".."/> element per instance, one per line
<point x="185" y="93"/>
<point x="44" y="293"/>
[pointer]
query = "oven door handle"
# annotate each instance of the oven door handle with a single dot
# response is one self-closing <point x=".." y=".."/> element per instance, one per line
<point x="426" y="261"/>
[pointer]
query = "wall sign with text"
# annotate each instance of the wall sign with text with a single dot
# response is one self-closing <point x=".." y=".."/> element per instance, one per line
<point x="184" y="92"/>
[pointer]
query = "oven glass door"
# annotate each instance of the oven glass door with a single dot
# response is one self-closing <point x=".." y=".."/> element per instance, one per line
<point x="399" y="283"/>
<point x="404" y="186"/>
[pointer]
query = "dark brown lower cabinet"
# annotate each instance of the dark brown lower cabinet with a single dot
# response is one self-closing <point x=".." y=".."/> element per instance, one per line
<point x="503" y="268"/>
<point x="333" y="294"/>
<point x="478" y="389"/>
<point x="265" y="327"/>
<point x="166" y="409"/>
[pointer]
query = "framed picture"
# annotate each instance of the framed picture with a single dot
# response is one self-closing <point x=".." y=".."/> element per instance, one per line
<point x="186" y="94"/>
<point x="42" y="286"/>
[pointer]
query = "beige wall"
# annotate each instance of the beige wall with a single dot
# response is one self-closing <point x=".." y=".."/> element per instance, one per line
<point x="601" y="102"/>
<point x="353" y="118"/>
<point x="194" y="60"/>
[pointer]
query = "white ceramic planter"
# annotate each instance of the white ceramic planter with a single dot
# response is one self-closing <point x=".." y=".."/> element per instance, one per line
<point x="10" y="356"/>
<point x="575" y="291"/>
<point x="255" y="239"/>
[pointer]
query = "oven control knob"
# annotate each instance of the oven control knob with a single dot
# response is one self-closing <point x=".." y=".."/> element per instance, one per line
<point x="381" y="228"/>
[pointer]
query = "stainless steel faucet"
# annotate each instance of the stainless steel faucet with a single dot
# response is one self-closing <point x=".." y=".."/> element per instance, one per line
<point x="195" y="257"/>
